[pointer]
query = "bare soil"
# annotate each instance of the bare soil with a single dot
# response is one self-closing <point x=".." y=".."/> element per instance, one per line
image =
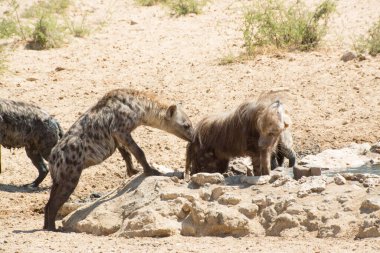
<point x="332" y="103"/>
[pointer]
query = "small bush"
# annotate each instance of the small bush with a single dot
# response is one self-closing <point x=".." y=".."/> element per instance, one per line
<point x="371" y="42"/>
<point x="273" y="24"/>
<point x="47" y="34"/>
<point x="184" y="7"/>
<point x="8" y="28"/>
<point x="78" y="29"/>
<point x="150" y="2"/>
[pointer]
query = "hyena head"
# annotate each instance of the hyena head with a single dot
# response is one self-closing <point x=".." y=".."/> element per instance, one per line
<point x="178" y="123"/>
<point x="271" y="122"/>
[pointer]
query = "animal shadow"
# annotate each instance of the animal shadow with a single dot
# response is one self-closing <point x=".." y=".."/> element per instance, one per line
<point x="21" y="188"/>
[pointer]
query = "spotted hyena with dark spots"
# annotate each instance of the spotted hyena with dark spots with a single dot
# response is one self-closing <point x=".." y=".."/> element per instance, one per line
<point x="26" y="125"/>
<point x="101" y="130"/>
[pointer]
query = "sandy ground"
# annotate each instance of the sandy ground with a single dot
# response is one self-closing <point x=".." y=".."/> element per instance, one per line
<point x="331" y="103"/>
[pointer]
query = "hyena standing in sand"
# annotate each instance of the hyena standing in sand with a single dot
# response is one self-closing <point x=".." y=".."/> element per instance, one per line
<point x="252" y="129"/>
<point x="105" y="127"/>
<point x="26" y="125"/>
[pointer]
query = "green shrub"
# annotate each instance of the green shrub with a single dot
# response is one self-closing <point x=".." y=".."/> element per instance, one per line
<point x="77" y="28"/>
<point x="150" y="2"/>
<point x="371" y="42"/>
<point x="271" y="23"/>
<point x="184" y="7"/>
<point x="47" y="34"/>
<point x="8" y="28"/>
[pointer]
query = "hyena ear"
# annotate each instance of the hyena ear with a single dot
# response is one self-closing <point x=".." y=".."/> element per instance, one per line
<point x="170" y="111"/>
<point x="287" y="121"/>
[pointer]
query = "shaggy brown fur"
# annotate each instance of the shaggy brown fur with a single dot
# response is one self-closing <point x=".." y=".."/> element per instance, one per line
<point x="26" y="125"/>
<point x="252" y="129"/>
<point x="101" y="130"/>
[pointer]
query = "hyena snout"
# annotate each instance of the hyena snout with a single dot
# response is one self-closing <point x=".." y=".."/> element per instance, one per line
<point x="179" y="123"/>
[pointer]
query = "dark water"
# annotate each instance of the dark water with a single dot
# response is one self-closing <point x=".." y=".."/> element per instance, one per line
<point x="372" y="169"/>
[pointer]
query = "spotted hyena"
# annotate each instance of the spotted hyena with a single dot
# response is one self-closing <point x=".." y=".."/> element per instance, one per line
<point x="26" y="125"/>
<point x="101" y="130"/>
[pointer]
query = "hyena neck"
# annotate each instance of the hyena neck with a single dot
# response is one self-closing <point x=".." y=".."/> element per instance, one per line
<point x="154" y="116"/>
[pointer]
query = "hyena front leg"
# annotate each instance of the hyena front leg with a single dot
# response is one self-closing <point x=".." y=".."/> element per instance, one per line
<point x="128" y="161"/>
<point x="39" y="163"/>
<point x="265" y="161"/>
<point x="127" y="141"/>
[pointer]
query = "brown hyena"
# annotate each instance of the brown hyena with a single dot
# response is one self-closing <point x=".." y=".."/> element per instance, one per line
<point x="101" y="130"/>
<point x="252" y="129"/>
<point x="26" y="125"/>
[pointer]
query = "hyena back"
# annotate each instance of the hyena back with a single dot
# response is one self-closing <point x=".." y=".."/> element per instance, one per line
<point x="26" y="125"/>
<point x="101" y="130"/>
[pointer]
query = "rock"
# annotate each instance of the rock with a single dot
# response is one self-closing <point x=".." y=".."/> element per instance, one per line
<point x="229" y="199"/>
<point x="314" y="184"/>
<point x="339" y="179"/>
<point x="361" y="57"/>
<point x="342" y="199"/>
<point x="260" y="201"/>
<point x="348" y="56"/>
<point x="204" y="178"/>
<point x="217" y="192"/>
<point x="300" y="171"/>
<point x="249" y="210"/>
<point x="255" y="180"/>
<point x="353" y="156"/>
<point x="375" y="148"/>
<point x="329" y="230"/>
<point x="284" y="203"/>
<point x="370" y="228"/>
<point x="281" y="181"/>
<point x="68" y="208"/>
<point x="370" y="205"/>
<point x="371" y="182"/>
<point x="269" y="214"/>
<point x="214" y="220"/>
<point x="148" y="223"/>
<point x="240" y="165"/>
<point x="295" y="209"/>
<point x="282" y="222"/>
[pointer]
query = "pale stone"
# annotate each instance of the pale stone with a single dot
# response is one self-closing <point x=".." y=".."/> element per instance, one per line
<point x="339" y="179"/>
<point x="370" y="205"/>
<point x="210" y="178"/>
<point x="255" y="180"/>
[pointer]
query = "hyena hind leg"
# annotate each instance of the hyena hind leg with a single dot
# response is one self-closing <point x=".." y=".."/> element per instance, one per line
<point x="59" y="194"/>
<point x="128" y="161"/>
<point x="39" y="163"/>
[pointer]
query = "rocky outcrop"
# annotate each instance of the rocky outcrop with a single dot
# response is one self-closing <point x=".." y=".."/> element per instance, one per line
<point x="211" y="205"/>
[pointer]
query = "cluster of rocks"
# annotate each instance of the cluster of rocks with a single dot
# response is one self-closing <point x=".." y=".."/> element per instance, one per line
<point x="344" y="205"/>
<point x="212" y="205"/>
